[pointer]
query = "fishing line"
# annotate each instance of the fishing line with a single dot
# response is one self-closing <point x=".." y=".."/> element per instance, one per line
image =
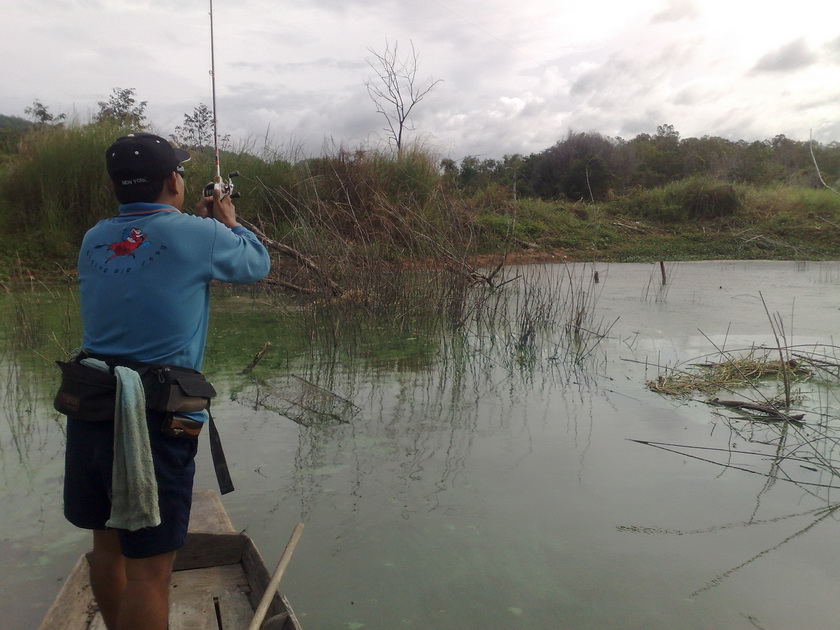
<point x="213" y="88"/>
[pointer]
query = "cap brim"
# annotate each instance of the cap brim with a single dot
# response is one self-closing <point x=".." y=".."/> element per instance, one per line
<point x="181" y="155"/>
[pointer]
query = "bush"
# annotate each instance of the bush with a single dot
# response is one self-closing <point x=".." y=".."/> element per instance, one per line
<point x="704" y="198"/>
<point x="696" y="198"/>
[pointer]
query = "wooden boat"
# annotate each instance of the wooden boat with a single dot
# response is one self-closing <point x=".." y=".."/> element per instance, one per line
<point x="217" y="584"/>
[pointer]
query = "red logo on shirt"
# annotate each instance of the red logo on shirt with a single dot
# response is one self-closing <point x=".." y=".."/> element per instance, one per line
<point x="132" y="240"/>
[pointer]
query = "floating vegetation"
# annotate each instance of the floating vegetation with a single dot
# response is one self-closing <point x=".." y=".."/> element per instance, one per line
<point x="732" y="374"/>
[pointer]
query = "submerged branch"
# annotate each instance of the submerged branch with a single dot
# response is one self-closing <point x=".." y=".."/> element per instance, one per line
<point x="769" y="410"/>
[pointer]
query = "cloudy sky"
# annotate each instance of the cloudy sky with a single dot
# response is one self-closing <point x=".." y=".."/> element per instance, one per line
<point x="516" y="75"/>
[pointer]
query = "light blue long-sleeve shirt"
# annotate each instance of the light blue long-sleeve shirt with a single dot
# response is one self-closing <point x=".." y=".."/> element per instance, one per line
<point x="144" y="281"/>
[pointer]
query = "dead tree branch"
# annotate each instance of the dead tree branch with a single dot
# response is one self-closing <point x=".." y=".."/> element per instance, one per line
<point x="396" y="92"/>
<point x="294" y="254"/>
<point x="817" y="166"/>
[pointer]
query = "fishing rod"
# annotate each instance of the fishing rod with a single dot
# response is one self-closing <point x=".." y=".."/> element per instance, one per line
<point x="225" y="186"/>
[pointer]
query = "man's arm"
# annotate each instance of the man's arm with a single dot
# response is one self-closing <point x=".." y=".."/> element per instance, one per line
<point x="238" y="256"/>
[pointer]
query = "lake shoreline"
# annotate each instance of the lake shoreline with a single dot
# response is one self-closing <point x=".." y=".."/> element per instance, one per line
<point x="39" y="271"/>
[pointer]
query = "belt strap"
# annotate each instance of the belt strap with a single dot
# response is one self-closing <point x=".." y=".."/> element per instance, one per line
<point x="219" y="461"/>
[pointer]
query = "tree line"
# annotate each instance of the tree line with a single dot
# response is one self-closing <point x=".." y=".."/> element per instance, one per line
<point x="583" y="166"/>
<point x="593" y="167"/>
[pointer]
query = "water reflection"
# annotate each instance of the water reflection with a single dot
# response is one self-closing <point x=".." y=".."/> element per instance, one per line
<point x="475" y="470"/>
<point x="459" y="422"/>
<point x="24" y="435"/>
<point x="804" y="455"/>
<point x="31" y="432"/>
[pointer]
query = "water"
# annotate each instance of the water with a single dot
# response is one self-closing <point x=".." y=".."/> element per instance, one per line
<point x="484" y="483"/>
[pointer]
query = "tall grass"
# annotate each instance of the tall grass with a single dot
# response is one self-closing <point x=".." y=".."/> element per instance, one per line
<point x="57" y="187"/>
<point x="363" y="217"/>
<point x="365" y="210"/>
<point x="353" y="210"/>
<point x="695" y="198"/>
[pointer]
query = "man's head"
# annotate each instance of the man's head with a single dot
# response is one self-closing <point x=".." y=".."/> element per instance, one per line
<point x="138" y="165"/>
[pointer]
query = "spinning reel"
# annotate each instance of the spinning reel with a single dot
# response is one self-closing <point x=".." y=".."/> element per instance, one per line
<point x="225" y="186"/>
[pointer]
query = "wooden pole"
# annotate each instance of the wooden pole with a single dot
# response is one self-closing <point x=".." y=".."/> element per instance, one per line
<point x="274" y="582"/>
<point x="662" y="270"/>
<point x="257" y="357"/>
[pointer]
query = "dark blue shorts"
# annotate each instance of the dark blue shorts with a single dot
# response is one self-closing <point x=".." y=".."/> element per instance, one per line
<point x="87" y="484"/>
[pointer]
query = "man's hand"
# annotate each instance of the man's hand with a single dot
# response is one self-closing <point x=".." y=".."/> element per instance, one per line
<point x="218" y="207"/>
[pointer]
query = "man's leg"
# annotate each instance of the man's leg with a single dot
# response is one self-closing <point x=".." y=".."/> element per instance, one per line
<point x="145" y="600"/>
<point x="132" y="594"/>
<point x="107" y="574"/>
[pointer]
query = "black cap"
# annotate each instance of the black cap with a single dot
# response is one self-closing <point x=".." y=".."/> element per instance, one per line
<point x="142" y="158"/>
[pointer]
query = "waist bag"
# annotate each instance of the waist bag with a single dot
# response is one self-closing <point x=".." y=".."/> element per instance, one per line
<point x="90" y="394"/>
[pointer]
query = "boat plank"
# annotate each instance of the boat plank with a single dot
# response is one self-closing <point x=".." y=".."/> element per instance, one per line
<point x="212" y="580"/>
<point x="73" y="608"/>
<point x="235" y="611"/>
<point x="195" y="593"/>
<point x="204" y="549"/>
<point x="259" y="577"/>
<point x="258" y="573"/>
<point x="208" y="514"/>
<point x="193" y="614"/>
<point x="98" y="623"/>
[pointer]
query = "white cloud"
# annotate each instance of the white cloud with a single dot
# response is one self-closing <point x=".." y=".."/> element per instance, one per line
<point x="792" y="56"/>
<point x="677" y="10"/>
<point x="516" y="76"/>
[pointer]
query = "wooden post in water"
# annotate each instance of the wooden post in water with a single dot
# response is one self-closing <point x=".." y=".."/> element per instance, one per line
<point x="662" y="270"/>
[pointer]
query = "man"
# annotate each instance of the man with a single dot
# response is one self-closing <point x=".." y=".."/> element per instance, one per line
<point x="144" y="290"/>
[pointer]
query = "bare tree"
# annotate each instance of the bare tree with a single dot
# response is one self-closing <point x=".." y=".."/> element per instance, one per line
<point x="395" y="90"/>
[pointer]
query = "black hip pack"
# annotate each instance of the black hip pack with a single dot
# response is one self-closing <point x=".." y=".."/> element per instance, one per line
<point x="88" y="393"/>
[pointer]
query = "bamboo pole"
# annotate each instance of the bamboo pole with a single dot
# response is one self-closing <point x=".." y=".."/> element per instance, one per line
<point x="259" y="615"/>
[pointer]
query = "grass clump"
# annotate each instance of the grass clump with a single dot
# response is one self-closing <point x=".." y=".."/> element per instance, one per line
<point x="692" y="199"/>
<point x="733" y="374"/>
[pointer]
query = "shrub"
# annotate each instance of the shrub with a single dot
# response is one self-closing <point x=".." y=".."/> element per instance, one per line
<point x="696" y="198"/>
<point x="704" y="198"/>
